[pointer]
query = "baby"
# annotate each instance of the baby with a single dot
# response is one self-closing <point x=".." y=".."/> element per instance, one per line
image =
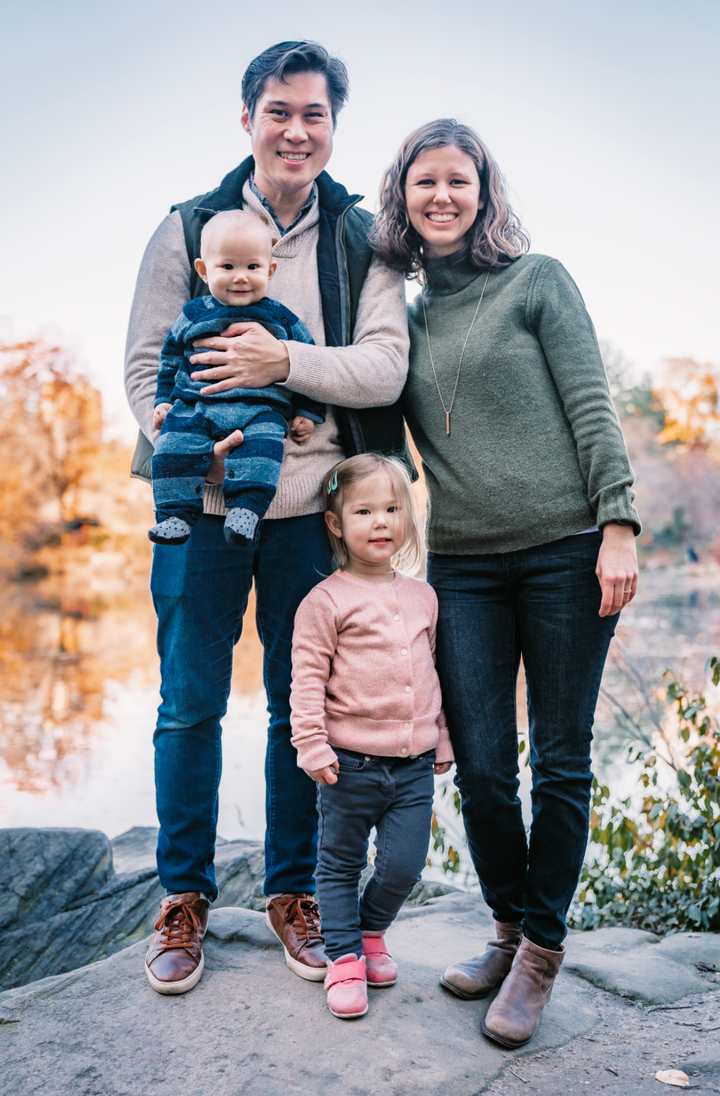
<point x="236" y="263"/>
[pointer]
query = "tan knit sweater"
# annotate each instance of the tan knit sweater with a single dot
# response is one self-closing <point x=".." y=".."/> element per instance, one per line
<point x="370" y="373"/>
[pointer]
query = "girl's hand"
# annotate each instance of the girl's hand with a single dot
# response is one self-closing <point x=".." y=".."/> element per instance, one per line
<point x="326" y="775"/>
<point x="441" y="767"/>
<point x="160" y="414"/>
<point x="216" y="471"/>
<point x="617" y="568"/>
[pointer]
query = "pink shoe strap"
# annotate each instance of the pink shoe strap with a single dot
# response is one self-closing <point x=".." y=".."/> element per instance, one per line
<point x="346" y="972"/>
<point x="374" y="945"/>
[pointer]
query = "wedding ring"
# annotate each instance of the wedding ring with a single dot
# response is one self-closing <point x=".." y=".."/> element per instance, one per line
<point x="628" y="591"/>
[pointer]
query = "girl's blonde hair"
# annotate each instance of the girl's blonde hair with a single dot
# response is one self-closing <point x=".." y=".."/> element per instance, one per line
<point x="496" y="239"/>
<point x="340" y="479"/>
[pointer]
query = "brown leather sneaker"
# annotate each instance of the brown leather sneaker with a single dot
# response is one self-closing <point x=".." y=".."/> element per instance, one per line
<point x="514" y="1015"/>
<point x="174" y="961"/>
<point x="477" y="976"/>
<point x="295" y="920"/>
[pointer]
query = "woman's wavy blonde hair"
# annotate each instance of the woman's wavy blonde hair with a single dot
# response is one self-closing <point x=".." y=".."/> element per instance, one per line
<point x="340" y="479"/>
<point x="496" y="239"/>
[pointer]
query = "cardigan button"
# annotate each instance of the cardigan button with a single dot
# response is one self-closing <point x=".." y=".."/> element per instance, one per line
<point x="403" y="750"/>
<point x="408" y="689"/>
<point x="396" y="617"/>
<point x="404" y="651"/>
<point x="406" y="726"/>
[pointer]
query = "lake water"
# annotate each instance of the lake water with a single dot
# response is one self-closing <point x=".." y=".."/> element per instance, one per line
<point x="79" y="690"/>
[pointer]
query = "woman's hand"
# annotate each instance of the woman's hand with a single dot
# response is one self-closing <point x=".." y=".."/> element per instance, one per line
<point x="216" y="472"/>
<point x="617" y="568"/>
<point x="441" y="767"/>
<point x="328" y="775"/>
<point x="246" y="355"/>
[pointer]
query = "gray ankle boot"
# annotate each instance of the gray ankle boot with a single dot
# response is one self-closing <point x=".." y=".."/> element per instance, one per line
<point x="477" y="976"/>
<point x="514" y="1015"/>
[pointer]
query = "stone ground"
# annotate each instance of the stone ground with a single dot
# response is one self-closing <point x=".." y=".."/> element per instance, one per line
<point x="624" y="1006"/>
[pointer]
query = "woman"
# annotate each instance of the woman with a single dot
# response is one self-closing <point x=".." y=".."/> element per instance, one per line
<point x="531" y="534"/>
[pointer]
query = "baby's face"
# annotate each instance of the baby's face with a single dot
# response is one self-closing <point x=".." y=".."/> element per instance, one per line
<point x="237" y="265"/>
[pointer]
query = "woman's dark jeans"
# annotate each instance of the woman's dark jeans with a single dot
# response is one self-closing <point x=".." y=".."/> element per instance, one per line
<point x="540" y="604"/>
<point x="394" y="794"/>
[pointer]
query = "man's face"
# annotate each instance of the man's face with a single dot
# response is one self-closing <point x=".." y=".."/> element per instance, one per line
<point x="292" y="132"/>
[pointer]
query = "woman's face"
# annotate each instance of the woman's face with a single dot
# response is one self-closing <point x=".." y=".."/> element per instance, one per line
<point x="442" y="195"/>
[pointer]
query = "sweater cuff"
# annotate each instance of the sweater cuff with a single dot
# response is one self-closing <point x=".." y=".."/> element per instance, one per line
<point x="616" y="505"/>
<point x="314" y="758"/>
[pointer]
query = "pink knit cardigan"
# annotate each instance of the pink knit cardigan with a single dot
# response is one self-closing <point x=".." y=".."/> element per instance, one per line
<point x="364" y="674"/>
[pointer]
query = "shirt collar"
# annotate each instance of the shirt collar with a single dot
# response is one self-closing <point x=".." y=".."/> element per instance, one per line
<point x="267" y="204"/>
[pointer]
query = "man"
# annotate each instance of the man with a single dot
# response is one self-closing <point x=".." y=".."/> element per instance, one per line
<point x="355" y="310"/>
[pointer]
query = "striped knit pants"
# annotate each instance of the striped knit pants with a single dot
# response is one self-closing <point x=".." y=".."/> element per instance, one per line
<point x="184" y="449"/>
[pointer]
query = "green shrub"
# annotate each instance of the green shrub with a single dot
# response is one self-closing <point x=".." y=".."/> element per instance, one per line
<point x="660" y="871"/>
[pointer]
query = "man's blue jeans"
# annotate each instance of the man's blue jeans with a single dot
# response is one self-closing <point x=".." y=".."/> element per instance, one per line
<point x="200" y="591"/>
<point x="540" y="604"/>
<point x="394" y="794"/>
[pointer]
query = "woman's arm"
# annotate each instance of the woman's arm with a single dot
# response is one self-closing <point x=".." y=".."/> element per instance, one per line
<point x="444" y="755"/>
<point x="557" y="314"/>
<point x="313" y="649"/>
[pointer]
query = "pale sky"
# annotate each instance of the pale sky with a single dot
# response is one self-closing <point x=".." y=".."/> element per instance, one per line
<point x="602" y="114"/>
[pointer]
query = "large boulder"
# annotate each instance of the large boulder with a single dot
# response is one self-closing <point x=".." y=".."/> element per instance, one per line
<point x="63" y="904"/>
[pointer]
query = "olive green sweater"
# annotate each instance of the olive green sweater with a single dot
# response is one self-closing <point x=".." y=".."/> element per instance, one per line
<point x="535" y="450"/>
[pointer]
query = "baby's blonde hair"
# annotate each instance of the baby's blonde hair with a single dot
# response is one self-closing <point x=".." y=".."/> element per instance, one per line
<point x="340" y="479"/>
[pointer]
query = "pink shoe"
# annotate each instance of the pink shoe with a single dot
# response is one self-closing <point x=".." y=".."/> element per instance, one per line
<point x="347" y="987"/>
<point x="381" y="967"/>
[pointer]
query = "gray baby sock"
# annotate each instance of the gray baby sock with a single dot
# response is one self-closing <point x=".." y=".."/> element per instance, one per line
<point x="170" y="531"/>
<point x="240" y="526"/>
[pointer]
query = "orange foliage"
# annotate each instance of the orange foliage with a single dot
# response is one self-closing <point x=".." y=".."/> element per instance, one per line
<point x="691" y="398"/>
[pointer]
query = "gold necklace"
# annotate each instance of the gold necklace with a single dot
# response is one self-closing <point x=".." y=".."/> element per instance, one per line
<point x="448" y="410"/>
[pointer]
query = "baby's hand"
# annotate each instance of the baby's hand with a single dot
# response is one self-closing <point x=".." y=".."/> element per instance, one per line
<point x="326" y="775"/>
<point x="301" y="429"/>
<point x="159" y="414"/>
<point x="441" y="767"/>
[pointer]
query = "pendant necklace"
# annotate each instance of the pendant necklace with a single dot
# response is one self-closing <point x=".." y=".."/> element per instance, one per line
<point x="448" y="410"/>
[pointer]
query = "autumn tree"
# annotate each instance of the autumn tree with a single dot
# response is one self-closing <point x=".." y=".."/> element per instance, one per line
<point x="50" y="434"/>
<point x="690" y="397"/>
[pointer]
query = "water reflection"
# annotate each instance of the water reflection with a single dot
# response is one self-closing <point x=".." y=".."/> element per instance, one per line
<point x="79" y="680"/>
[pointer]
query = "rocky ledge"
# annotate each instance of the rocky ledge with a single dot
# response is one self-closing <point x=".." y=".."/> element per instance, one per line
<point x="624" y="1006"/>
<point x="71" y="897"/>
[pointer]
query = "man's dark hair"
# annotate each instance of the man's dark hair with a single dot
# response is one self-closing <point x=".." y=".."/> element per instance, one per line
<point x="289" y="58"/>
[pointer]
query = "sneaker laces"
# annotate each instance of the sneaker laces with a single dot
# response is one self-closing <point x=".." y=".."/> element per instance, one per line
<point x="178" y="924"/>
<point x="302" y="912"/>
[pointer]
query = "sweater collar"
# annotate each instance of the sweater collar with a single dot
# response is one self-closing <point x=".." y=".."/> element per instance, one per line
<point x="450" y="274"/>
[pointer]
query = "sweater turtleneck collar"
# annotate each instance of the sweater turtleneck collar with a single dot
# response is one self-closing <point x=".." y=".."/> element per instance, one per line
<point x="450" y="274"/>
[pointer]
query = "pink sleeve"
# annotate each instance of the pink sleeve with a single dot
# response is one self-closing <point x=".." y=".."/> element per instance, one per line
<point x="314" y="645"/>
<point x="444" y="751"/>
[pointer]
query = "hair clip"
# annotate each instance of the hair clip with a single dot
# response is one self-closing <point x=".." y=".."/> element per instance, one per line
<point x="332" y="485"/>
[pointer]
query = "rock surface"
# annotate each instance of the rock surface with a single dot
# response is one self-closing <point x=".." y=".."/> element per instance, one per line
<point x="71" y="897"/>
<point x="251" y="1027"/>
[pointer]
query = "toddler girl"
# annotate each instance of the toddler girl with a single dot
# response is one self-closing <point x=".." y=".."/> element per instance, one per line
<point x="367" y="719"/>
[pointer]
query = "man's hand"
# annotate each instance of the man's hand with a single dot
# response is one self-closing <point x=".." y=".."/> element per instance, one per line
<point x="246" y="355"/>
<point x="617" y="568"/>
<point x="159" y="414"/>
<point x="301" y="429"/>
<point x="216" y="472"/>
<point x="328" y="775"/>
<point x="441" y="767"/>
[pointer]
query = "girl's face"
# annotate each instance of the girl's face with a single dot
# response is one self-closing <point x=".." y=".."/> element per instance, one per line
<point x="371" y="526"/>
<point x="442" y="195"/>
